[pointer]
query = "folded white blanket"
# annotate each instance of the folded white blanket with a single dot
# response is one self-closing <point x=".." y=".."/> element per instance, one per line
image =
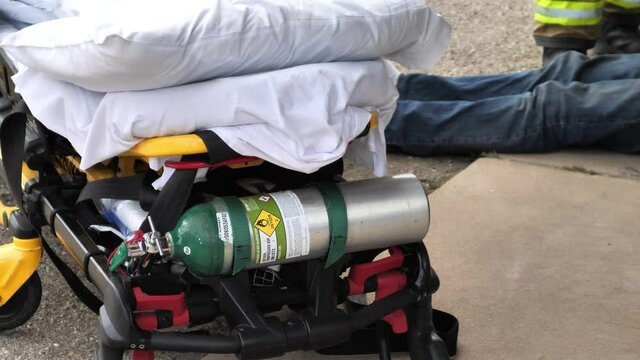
<point x="149" y="44"/>
<point x="300" y="118"/>
<point x="27" y="12"/>
<point x="6" y="28"/>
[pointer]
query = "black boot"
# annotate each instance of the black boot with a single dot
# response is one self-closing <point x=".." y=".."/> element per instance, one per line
<point x="550" y="53"/>
<point x="618" y="38"/>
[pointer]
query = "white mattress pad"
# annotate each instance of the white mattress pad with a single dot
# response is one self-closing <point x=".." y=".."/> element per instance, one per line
<point x="300" y="118"/>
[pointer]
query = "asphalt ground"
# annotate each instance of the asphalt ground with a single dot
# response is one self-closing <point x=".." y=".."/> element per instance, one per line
<point x="489" y="37"/>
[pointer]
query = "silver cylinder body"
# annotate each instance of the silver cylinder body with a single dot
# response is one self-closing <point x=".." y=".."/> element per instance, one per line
<point x="381" y="212"/>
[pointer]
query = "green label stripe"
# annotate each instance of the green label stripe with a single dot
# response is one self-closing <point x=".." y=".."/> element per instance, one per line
<point x="241" y="234"/>
<point x="338" y="223"/>
<point x="267" y="225"/>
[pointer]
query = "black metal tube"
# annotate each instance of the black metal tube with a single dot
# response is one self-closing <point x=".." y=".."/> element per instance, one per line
<point x="78" y="242"/>
<point x="372" y="313"/>
<point x="178" y="342"/>
<point x="384" y="346"/>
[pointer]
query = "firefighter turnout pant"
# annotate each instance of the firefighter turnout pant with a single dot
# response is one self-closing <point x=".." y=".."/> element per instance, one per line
<point x="575" y="24"/>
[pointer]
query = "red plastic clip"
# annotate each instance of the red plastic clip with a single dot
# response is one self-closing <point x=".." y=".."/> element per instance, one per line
<point x="361" y="272"/>
<point x="146" y="305"/>
<point x="190" y="165"/>
<point x="146" y="319"/>
<point x="388" y="281"/>
<point x="142" y="355"/>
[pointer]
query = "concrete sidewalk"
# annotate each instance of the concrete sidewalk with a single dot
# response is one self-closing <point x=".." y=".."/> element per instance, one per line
<point x="539" y="256"/>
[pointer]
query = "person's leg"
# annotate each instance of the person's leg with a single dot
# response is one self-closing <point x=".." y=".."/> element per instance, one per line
<point x="554" y="115"/>
<point x="566" y="68"/>
<point x="620" y="32"/>
<point x="566" y="25"/>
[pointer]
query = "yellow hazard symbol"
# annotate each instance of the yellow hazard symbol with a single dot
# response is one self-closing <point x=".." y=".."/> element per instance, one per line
<point x="266" y="222"/>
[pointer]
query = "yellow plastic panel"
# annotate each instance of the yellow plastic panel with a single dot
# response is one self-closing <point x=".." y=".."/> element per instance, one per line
<point x="184" y="144"/>
<point x="18" y="261"/>
<point x="4" y="209"/>
<point x="71" y="164"/>
<point x="27" y="174"/>
<point x="168" y="146"/>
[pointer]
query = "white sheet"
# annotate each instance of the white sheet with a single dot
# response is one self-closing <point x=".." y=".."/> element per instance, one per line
<point x="24" y="12"/>
<point x="300" y="118"/>
<point x="6" y="28"/>
<point x="150" y="44"/>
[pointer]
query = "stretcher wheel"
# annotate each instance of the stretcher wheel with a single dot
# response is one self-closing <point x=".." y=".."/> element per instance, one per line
<point x="22" y="305"/>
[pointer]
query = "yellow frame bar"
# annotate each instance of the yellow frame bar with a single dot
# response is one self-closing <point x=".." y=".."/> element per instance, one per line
<point x="18" y="261"/>
<point x="6" y="210"/>
<point x="184" y="144"/>
<point x="27" y="174"/>
<point x="168" y="146"/>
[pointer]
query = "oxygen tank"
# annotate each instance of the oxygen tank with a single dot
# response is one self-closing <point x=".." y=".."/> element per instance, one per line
<point x="228" y="234"/>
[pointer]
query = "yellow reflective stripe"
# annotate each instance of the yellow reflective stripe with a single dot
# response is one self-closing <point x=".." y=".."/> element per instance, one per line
<point x="570" y="5"/>
<point x="565" y="14"/>
<point x="627" y="4"/>
<point x="567" y="22"/>
<point x="569" y="13"/>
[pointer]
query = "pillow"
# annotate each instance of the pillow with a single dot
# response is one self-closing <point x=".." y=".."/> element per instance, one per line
<point x="23" y="13"/>
<point x="148" y="44"/>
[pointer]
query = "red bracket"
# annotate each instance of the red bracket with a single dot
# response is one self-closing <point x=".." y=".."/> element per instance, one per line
<point x="389" y="283"/>
<point x="142" y="355"/>
<point x="359" y="273"/>
<point x="389" y="279"/>
<point x="146" y="318"/>
<point x="188" y="165"/>
<point x="146" y="305"/>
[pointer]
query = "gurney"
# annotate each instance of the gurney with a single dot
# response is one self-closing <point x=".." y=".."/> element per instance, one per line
<point x="251" y="241"/>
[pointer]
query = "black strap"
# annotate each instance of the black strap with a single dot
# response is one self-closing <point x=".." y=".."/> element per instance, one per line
<point x="136" y="187"/>
<point x="447" y="327"/>
<point x="87" y="258"/>
<point x="171" y="201"/>
<point x="79" y="289"/>
<point x="169" y="205"/>
<point x="52" y="217"/>
<point x="12" y="135"/>
<point x="217" y="149"/>
<point x="165" y="207"/>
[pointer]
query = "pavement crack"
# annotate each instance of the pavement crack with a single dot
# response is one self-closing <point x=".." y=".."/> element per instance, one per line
<point x="633" y="174"/>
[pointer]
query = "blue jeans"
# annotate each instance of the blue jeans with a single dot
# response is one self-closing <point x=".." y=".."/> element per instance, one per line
<point x="573" y="102"/>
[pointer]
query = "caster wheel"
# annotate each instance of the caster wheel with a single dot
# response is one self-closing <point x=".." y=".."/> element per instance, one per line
<point x="22" y="305"/>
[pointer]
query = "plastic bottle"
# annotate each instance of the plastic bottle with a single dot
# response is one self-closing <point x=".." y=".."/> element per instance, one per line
<point x="126" y="215"/>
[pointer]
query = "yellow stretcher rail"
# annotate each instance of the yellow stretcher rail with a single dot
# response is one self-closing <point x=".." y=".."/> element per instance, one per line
<point x="168" y="146"/>
<point x="185" y="144"/>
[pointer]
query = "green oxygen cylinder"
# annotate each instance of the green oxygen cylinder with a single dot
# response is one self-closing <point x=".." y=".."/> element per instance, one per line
<point x="197" y="243"/>
<point x="228" y="234"/>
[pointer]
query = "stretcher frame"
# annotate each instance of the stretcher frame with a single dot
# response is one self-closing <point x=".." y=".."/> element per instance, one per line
<point x="320" y="324"/>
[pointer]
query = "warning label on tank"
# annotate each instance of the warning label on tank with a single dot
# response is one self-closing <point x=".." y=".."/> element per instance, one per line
<point x="295" y="223"/>
<point x="279" y="226"/>
<point x="266" y="222"/>
<point x="269" y="248"/>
